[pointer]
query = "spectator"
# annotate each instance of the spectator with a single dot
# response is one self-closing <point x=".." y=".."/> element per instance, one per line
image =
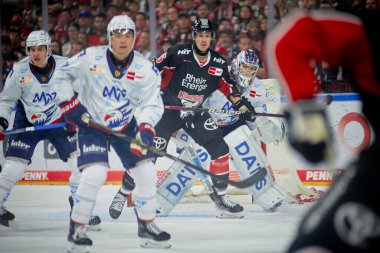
<point x="134" y="8"/>
<point x="184" y="29"/>
<point x="245" y="16"/>
<point x="97" y="7"/>
<point x="111" y="12"/>
<point x="143" y="44"/>
<point x="259" y="9"/>
<point x="188" y="7"/>
<point x="82" y="37"/>
<point x="225" y="24"/>
<point x="85" y="22"/>
<point x="100" y="30"/>
<point x="84" y="5"/>
<point x="203" y="10"/>
<point x="76" y="48"/>
<point x="9" y="56"/>
<point x="225" y="10"/>
<point x="62" y="26"/>
<point x="141" y="25"/>
<point x="72" y="33"/>
<point x="224" y="40"/>
<point x="165" y="45"/>
<point x="56" y="47"/>
<point x="371" y="5"/>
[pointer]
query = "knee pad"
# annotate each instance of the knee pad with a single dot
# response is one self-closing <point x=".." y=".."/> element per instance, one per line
<point x="128" y="183"/>
<point x="145" y="177"/>
<point x="94" y="175"/>
<point x="12" y="171"/>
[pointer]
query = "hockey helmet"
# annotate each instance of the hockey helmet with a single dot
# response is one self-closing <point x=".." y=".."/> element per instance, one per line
<point x="244" y="67"/>
<point x="202" y="25"/>
<point x="38" y="38"/>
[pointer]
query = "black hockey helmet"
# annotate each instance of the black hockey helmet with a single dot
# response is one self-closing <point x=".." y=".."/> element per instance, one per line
<point x="202" y="25"/>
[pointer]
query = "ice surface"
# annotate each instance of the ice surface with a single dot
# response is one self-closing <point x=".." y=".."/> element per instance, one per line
<point x="42" y="214"/>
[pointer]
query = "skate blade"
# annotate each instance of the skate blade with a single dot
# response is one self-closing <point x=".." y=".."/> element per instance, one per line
<point x="149" y="243"/>
<point x="94" y="227"/>
<point x="114" y="215"/>
<point x="228" y="215"/>
<point x="12" y="224"/>
<point x="74" y="248"/>
<point x="273" y="208"/>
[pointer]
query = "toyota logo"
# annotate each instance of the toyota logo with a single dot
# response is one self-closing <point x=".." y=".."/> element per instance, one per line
<point x="210" y="124"/>
<point x="160" y="143"/>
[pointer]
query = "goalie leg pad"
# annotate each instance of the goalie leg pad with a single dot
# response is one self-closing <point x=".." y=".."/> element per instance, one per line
<point x="247" y="157"/>
<point x="173" y="185"/>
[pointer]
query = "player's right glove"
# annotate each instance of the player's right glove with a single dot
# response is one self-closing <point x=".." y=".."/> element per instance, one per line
<point x="73" y="111"/>
<point x="309" y="132"/>
<point x="145" y="135"/>
<point x="3" y="124"/>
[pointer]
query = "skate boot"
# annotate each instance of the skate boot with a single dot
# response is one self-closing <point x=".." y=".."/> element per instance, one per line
<point x="151" y="236"/>
<point x="94" y="222"/>
<point x="78" y="239"/>
<point x="7" y="218"/>
<point x="117" y="204"/>
<point x="227" y="209"/>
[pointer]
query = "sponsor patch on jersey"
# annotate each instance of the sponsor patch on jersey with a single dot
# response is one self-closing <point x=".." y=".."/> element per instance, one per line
<point x="215" y="71"/>
<point x="191" y="98"/>
<point x="254" y="94"/>
<point x="161" y="58"/>
<point x="138" y="77"/>
<point x="98" y="69"/>
<point x="26" y="79"/>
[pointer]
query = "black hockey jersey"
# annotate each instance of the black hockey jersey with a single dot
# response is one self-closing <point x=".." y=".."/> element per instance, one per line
<point x="186" y="82"/>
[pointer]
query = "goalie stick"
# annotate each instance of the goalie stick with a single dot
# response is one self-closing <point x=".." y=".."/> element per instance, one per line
<point x="34" y="128"/>
<point x="327" y="102"/>
<point x="239" y="184"/>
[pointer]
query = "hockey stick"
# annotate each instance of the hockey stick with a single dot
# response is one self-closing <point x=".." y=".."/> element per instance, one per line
<point x="239" y="184"/>
<point x="33" y="129"/>
<point x="328" y="101"/>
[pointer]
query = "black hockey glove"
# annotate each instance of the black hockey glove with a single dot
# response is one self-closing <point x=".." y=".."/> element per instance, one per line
<point x="309" y="132"/>
<point x="73" y="111"/>
<point x="3" y="124"/>
<point x="248" y="111"/>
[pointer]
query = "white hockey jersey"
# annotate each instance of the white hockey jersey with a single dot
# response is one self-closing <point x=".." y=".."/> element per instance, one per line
<point x="256" y="95"/>
<point x="111" y="95"/>
<point x="38" y="93"/>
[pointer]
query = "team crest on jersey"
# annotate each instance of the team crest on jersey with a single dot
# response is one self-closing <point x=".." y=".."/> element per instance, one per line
<point x="97" y="69"/>
<point x="43" y="79"/>
<point x="161" y="58"/>
<point x="113" y="117"/>
<point x="38" y="118"/>
<point x="117" y="73"/>
<point x="215" y="71"/>
<point x="138" y="77"/>
<point x="26" y="79"/>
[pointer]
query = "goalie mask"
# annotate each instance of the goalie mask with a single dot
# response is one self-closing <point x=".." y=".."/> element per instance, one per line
<point x="38" y="38"/>
<point x="244" y="67"/>
<point x="201" y="25"/>
<point x="120" y="24"/>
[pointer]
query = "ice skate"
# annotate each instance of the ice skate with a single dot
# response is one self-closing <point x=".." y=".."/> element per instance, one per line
<point x="79" y="242"/>
<point x="7" y="218"/>
<point x="151" y="236"/>
<point x="94" y="222"/>
<point x="117" y="204"/>
<point x="226" y="208"/>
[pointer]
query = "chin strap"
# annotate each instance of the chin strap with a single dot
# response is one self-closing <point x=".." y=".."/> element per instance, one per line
<point x="199" y="52"/>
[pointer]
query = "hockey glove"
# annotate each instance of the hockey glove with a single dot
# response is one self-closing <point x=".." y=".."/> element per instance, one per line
<point x="188" y="117"/>
<point x="145" y="136"/>
<point x="248" y="111"/>
<point x="73" y="111"/>
<point x="3" y="124"/>
<point x="309" y="132"/>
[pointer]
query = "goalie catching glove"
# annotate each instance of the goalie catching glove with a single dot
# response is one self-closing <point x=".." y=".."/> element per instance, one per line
<point x="73" y="111"/>
<point x="244" y="106"/>
<point x="145" y="135"/>
<point x="309" y="132"/>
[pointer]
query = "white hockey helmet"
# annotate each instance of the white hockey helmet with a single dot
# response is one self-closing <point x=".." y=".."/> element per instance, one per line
<point x="38" y="38"/>
<point x="244" y="67"/>
<point x="121" y="23"/>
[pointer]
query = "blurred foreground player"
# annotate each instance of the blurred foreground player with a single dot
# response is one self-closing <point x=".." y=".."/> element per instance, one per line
<point x="347" y="219"/>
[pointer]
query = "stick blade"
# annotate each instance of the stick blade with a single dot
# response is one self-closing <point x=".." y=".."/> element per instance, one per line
<point x="259" y="175"/>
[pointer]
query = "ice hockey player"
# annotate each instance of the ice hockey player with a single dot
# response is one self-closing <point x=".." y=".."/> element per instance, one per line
<point x="347" y="219"/>
<point x="190" y="73"/>
<point x="112" y="81"/>
<point x="245" y="148"/>
<point x="33" y="87"/>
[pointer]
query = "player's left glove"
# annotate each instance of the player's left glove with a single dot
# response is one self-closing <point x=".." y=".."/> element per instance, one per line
<point x="309" y="132"/>
<point x="248" y="111"/>
<point x="145" y="135"/>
